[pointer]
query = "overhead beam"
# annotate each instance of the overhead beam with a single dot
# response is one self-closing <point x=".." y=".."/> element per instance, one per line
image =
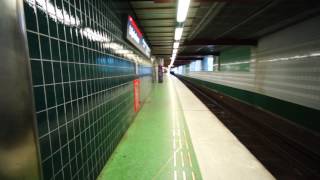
<point x="221" y="41"/>
<point x="161" y="47"/>
<point x="180" y="64"/>
<point x="187" y="58"/>
<point x="163" y="19"/>
<point x="161" y="53"/>
<point x="198" y="54"/>
<point x="183" y="61"/>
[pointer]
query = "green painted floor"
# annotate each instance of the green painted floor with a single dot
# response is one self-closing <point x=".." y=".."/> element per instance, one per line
<point x="157" y="144"/>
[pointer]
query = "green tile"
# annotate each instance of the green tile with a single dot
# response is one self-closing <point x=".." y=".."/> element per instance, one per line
<point x="59" y="175"/>
<point x="65" y="155"/>
<point x="63" y="135"/>
<point x="53" y="28"/>
<point x="45" y="47"/>
<point x="78" y="73"/>
<point x="55" y="49"/>
<point x="67" y="172"/>
<point x="73" y="166"/>
<point x="61" y="115"/>
<point x="57" y="72"/>
<point x="65" y="72"/>
<point x="77" y="132"/>
<point x="54" y="139"/>
<point x="42" y="123"/>
<point x="65" y="7"/>
<point x="52" y="118"/>
<point x="74" y="35"/>
<point x="63" y="51"/>
<point x="57" y="165"/>
<point x="30" y="16"/>
<point x="75" y="109"/>
<point x="68" y="33"/>
<point x="47" y="169"/>
<point x="72" y="149"/>
<point x="50" y="94"/>
<point x="73" y="91"/>
<point x="33" y="45"/>
<point x="59" y="93"/>
<point x="45" y="147"/>
<point x="61" y="31"/>
<point x="66" y="89"/>
<point x="92" y="111"/>
<point x="37" y="77"/>
<point x="76" y="54"/>
<point x="72" y="72"/>
<point x="81" y="55"/>
<point x="59" y="4"/>
<point x="47" y="71"/>
<point x="39" y="98"/>
<point x="42" y="22"/>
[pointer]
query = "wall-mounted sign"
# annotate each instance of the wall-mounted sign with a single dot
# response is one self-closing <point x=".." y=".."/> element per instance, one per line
<point x="135" y="36"/>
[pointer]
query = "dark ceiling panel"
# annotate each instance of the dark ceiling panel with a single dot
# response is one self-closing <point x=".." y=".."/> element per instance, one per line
<point x="154" y="16"/>
<point x="161" y="34"/>
<point x="151" y="4"/>
<point x="150" y="23"/>
<point x="243" y="23"/>
<point x="221" y="41"/>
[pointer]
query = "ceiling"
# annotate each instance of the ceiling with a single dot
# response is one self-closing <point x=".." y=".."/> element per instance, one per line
<point x="213" y="25"/>
<point x="159" y="21"/>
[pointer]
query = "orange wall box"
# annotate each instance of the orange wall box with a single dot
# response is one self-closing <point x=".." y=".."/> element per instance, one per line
<point x="136" y="95"/>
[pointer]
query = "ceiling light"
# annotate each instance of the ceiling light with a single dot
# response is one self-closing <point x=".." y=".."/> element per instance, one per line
<point x="176" y="45"/>
<point x="183" y="6"/>
<point x="178" y="33"/>
<point x="174" y="51"/>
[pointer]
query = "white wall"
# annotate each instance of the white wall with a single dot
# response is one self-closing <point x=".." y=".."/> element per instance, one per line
<point x="284" y="65"/>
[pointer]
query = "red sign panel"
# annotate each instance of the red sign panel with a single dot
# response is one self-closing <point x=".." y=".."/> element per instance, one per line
<point x="136" y="95"/>
<point x="134" y="24"/>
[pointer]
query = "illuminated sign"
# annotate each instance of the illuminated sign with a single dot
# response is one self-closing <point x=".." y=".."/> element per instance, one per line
<point x="134" y="35"/>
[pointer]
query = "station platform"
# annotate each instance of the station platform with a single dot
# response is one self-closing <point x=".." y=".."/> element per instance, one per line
<point x="175" y="136"/>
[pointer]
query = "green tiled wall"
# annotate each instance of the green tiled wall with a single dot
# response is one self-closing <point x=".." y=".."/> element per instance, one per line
<point x="235" y="59"/>
<point x="145" y="78"/>
<point x="82" y="83"/>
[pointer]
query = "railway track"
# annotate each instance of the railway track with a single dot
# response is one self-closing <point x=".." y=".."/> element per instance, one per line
<point x="276" y="152"/>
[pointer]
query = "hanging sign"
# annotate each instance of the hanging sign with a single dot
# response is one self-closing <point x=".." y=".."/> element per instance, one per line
<point x="135" y="36"/>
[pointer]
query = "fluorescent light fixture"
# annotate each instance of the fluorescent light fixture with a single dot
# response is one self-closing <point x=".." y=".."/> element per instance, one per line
<point x="175" y="45"/>
<point x="171" y="63"/>
<point x="174" y="51"/>
<point x="178" y="33"/>
<point x="172" y="58"/>
<point x="183" y="6"/>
